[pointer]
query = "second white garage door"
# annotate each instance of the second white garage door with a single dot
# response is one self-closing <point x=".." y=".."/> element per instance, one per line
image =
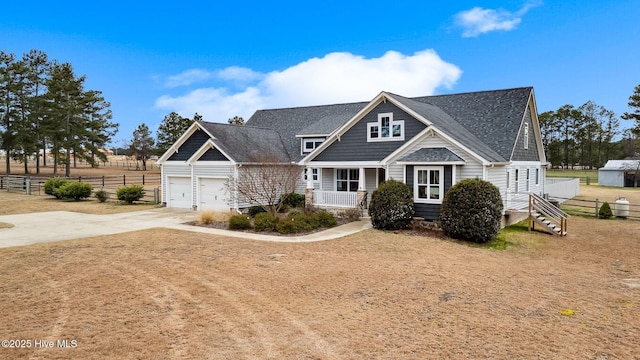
<point x="179" y="192"/>
<point x="213" y="195"/>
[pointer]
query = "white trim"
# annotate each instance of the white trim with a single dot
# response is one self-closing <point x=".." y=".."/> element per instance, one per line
<point x="203" y="149"/>
<point x="348" y="179"/>
<point x="427" y="163"/>
<point x="378" y="124"/>
<point x="187" y="134"/>
<point x="304" y="141"/>
<point x="441" y="178"/>
<point x="343" y="164"/>
<point x="300" y="136"/>
<point x="421" y="136"/>
<point x="453" y="175"/>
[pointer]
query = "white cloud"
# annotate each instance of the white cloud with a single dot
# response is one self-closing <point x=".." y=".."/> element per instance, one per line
<point x="188" y="77"/>
<point x="335" y="78"/>
<point x="480" y="21"/>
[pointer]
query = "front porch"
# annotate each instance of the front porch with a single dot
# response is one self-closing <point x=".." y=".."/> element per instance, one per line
<point x="342" y="188"/>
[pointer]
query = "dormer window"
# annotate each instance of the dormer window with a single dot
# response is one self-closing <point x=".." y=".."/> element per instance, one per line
<point x="308" y="145"/>
<point x="385" y="129"/>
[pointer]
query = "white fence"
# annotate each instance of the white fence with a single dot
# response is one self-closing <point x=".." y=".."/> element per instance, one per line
<point x="343" y="199"/>
<point x="562" y="188"/>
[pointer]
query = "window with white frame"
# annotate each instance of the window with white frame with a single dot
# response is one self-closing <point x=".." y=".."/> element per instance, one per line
<point x="537" y="176"/>
<point x="428" y="184"/>
<point x="516" y="182"/>
<point x="385" y="129"/>
<point x="308" y="145"/>
<point x="347" y="179"/>
<point x="508" y="180"/>
<point x="526" y="135"/>
<point x="528" y="180"/>
<point x="314" y="173"/>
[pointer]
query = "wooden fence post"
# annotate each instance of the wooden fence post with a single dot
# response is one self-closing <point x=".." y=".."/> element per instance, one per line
<point x="142" y="179"/>
<point x="124" y="180"/>
<point x="597" y="207"/>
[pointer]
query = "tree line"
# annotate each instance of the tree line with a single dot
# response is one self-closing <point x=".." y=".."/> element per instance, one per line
<point x="589" y="135"/>
<point x="44" y="106"/>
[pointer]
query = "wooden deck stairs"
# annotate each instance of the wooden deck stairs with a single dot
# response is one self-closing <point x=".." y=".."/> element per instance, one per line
<point x="549" y="217"/>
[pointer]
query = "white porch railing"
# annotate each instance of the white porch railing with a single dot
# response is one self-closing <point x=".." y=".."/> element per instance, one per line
<point x="343" y="199"/>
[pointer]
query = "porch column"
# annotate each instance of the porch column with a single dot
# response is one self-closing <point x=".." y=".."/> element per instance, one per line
<point x="308" y="192"/>
<point x="361" y="183"/>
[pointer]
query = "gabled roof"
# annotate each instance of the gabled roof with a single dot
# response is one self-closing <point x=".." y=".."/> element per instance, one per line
<point x="247" y="144"/>
<point x="487" y="122"/>
<point x="444" y="122"/>
<point x="432" y="155"/>
<point x="493" y="117"/>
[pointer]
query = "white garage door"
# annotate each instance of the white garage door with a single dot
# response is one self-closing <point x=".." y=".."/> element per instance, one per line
<point x="179" y="192"/>
<point x="213" y="195"/>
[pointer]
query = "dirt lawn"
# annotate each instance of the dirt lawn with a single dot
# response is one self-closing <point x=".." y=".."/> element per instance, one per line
<point x="167" y="294"/>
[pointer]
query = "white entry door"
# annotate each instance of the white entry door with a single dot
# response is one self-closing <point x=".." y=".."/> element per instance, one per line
<point x="179" y="192"/>
<point x="213" y="195"/>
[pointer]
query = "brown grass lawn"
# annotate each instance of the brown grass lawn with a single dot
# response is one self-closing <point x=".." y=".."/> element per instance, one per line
<point x="167" y="294"/>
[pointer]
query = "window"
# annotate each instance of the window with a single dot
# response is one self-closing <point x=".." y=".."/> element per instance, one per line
<point x="308" y="145"/>
<point x="526" y="135"/>
<point x="508" y="179"/>
<point x="516" y="181"/>
<point x="429" y="184"/>
<point x="315" y="174"/>
<point x="385" y="129"/>
<point x="528" y="182"/>
<point x="537" y="176"/>
<point x="347" y="179"/>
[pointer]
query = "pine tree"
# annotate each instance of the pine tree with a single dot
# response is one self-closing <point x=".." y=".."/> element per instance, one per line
<point x="142" y="144"/>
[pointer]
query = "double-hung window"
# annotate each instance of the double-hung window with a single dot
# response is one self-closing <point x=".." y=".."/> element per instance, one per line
<point x="428" y="184"/>
<point x="347" y="179"/>
<point x="385" y="129"/>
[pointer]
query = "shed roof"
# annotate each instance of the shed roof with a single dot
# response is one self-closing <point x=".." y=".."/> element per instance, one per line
<point x="613" y="165"/>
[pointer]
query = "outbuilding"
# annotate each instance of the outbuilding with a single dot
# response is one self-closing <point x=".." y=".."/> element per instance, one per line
<point x="620" y="173"/>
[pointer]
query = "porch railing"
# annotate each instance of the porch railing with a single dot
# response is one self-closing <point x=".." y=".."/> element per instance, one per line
<point x="335" y="198"/>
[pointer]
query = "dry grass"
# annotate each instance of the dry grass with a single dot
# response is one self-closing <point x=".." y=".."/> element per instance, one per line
<point x="16" y="203"/>
<point x="166" y="294"/>
<point x="209" y="216"/>
<point x="5" y="225"/>
<point x="610" y="194"/>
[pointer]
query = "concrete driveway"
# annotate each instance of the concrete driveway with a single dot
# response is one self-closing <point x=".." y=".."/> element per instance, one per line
<point x="51" y="226"/>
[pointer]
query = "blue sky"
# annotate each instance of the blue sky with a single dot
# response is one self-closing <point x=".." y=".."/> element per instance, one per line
<point x="232" y="58"/>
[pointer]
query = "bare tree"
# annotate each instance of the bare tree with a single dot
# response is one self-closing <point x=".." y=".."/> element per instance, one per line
<point x="264" y="181"/>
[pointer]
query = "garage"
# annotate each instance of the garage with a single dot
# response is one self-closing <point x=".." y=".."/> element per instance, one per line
<point x="213" y="194"/>
<point x="179" y="191"/>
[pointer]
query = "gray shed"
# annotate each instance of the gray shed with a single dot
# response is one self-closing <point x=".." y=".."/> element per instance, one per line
<point x="619" y="173"/>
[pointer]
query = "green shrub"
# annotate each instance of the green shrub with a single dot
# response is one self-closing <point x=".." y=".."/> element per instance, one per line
<point x="391" y="206"/>
<point x="130" y="193"/>
<point x="74" y="190"/>
<point x="255" y="210"/>
<point x="265" y="222"/>
<point x="296" y="223"/>
<point x="240" y="222"/>
<point x="472" y="211"/>
<point x="101" y="195"/>
<point x="605" y="211"/>
<point x="325" y="219"/>
<point x="53" y="184"/>
<point x="292" y="200"/>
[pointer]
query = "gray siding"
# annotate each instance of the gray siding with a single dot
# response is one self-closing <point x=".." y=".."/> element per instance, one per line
<point x="213" y="155"/>
<point x="429" y="211"/>
<point x="189" y="147"/>
<point x="519" y="152"/>
<point x="353" y="144"/>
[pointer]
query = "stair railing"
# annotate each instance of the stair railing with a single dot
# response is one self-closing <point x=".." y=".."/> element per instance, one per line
<point x="549" y="211"/>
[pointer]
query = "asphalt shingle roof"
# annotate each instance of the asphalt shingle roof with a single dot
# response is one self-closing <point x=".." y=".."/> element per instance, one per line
<point x="246" y="144"/>
<point x="431" y="155"/>
<point x="487" y="122"/>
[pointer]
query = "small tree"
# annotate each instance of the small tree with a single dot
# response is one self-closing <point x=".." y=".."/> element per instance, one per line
<point x="391" y="206"/>
<point x="472" y="210"/>
<point x="263" y="184"/>
<point x="605" y="211"/>
<point x="142" y="144"/>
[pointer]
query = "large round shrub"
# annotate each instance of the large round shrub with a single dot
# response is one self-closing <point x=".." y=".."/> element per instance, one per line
<point x="239" y="222"/>
<point x="391" y="206"/>
<point x="74" y="190"/>
<point x="130" y="193"/>
<point x="52" y="185"/>
<point x="472" y="211"/>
